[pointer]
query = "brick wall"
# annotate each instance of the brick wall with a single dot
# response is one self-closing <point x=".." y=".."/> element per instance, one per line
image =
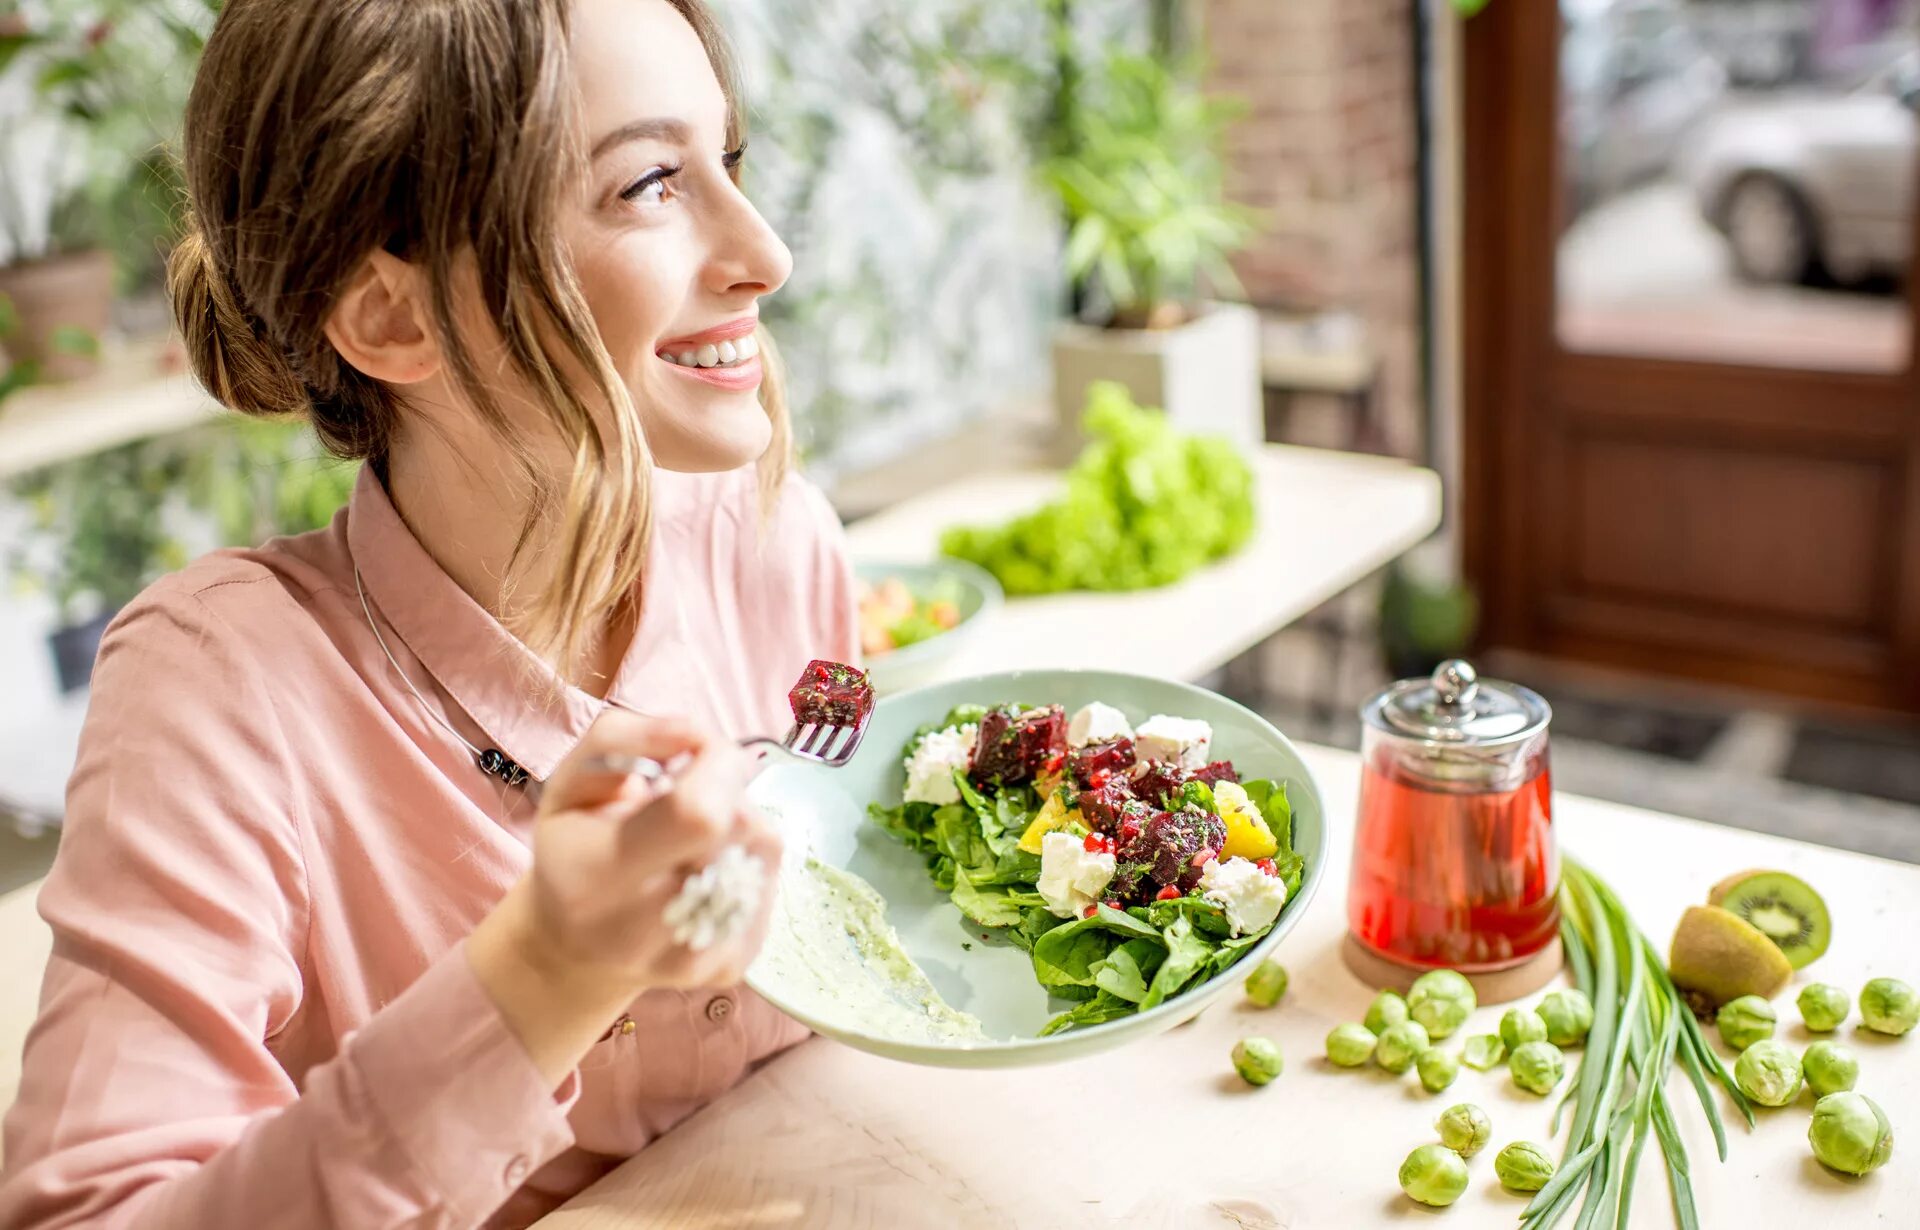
<point x="1327" y="148"/>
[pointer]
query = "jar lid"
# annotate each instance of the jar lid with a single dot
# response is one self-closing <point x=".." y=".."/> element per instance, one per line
<point x="1458" y="708"/>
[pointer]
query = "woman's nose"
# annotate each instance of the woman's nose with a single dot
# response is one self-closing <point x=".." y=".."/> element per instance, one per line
<point x="747" y="256"/>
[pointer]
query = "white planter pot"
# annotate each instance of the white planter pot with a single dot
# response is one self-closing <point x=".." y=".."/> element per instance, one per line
<point x="1205" y="374"/>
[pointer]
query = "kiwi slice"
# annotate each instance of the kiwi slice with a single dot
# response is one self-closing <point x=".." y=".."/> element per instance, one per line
<point x="1784" y="909"/>
<point x="1717" y="956"/>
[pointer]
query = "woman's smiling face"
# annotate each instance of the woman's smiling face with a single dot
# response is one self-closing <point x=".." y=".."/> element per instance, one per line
<point x="672" y="258"/>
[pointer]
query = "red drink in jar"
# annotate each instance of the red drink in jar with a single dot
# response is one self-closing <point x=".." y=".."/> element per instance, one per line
<point x="1454" y="859"/>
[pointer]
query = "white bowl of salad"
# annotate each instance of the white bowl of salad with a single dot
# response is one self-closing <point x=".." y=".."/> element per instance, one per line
<point x="1032" y="866"/>
<point x="914" y="615"/>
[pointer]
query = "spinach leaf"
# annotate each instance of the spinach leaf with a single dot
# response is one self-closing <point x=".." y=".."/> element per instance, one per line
<point x="1187" y="955"/>
<point x="1126" y="969"/>
<point x="1199" y="794"/>
<point x="990" y="907"/>
<point x="1102" y="1007"/>
<point x="1271" y="799"/>
<point x="1065" y="956"/>
<point x="957" y="830"/>
<point x="1124" y="923"/>
<point x="1207" y="917"/>
<point x="1038" y="921"/>
<point x="912" y="823"/>
<point x="1231" y="950"/>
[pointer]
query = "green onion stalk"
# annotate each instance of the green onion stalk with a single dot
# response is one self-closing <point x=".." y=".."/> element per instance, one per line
<point x="1641" y="1025"/>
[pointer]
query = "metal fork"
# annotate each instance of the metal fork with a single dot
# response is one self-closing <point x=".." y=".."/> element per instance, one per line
<point x="823" y="743"/>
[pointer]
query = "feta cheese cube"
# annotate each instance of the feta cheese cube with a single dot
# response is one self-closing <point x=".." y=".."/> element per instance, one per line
<point x="1186" y="742"/>
<point x="1097" y="723"/>
<point x="930" y="768"/>
<point x="1071" y="877"/>
<point x="1250" y="897"/>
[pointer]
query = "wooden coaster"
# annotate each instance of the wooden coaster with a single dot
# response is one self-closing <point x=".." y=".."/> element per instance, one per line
<point x="1493" y="987"/>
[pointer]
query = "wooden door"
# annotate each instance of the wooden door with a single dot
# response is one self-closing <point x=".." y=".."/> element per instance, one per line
<point x="1683" y="453"/>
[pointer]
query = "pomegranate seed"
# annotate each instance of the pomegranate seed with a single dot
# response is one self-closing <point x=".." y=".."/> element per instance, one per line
<point x="1055" y="761"/>
<point x="1090" y="911"/>
<point x="1098" y="778"/>
<point x="1129" y="829"/>
<point x="1112" y="903"/>
<point x="1266" y="865"/>
<point x="1169" y="893"/>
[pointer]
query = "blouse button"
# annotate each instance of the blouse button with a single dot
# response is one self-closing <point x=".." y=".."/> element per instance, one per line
<point x="517" y="1171"/>
<point x="719" y="1009"/>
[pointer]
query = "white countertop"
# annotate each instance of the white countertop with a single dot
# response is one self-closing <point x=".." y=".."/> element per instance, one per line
<point x="1163" y="1134"/>
<point x="1327" y="519"/>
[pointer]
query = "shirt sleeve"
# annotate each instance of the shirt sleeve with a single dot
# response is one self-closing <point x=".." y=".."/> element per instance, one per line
<point x="151" y="1095"/>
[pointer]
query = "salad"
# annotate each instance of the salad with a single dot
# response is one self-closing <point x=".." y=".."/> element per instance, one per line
<point x="1125" y="860"/>
<point x="893" y="617"/>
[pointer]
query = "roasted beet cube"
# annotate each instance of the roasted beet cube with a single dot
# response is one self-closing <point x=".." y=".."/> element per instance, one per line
<point x="1218" y="771"/>
<point x="1169" y="840"/>
<point x="1013" y="749"/>
<point x="831" y="693"/>
<point x="1155" y="780"/>
<point x="1093" y="764"/>
<point x="1103" y="806"/>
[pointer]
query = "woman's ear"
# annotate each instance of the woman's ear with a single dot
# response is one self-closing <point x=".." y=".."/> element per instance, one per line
<point x="381" y="323"/>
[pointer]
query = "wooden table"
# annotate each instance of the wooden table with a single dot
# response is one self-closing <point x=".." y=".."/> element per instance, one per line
<point x="1163" y="1134"/>
<point x="1327" y="519"/>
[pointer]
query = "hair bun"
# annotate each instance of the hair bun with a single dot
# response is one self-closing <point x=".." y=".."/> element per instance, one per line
<point x="226" y="344"/>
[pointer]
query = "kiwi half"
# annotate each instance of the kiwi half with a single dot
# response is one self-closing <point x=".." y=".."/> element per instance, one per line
<point x="1717" y="956"/>
<point x="1782" y="907"/>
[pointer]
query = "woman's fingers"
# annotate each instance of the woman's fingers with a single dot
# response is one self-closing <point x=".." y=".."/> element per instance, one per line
<point x="692" y="821"/>
<point x="577" y="784"/>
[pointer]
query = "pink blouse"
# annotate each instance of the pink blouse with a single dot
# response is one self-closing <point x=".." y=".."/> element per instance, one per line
<point x="258" y="1012"/>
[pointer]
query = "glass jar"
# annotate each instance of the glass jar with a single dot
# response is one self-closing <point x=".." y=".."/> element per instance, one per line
<point x="1454" y="859"/>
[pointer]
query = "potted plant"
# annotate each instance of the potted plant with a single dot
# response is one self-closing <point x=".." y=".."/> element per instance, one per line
<point x="85" y="185"/>
<point x="1423" y="622"/>
<point x="257" y="479"/>
<point x="96" y="538"/>
<point x="1137" y="171"/>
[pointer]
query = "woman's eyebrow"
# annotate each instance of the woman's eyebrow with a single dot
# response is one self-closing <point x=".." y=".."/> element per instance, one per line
<point x="644" y="130"/>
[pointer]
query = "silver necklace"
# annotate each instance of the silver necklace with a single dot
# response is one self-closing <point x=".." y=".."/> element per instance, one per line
<point x="492" y="761"/>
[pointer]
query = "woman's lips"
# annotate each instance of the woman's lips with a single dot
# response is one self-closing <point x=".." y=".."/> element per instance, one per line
<point x="745" y="374"/>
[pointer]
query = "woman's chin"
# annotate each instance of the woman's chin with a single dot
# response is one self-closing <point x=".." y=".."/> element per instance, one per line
<point x="718" y="437"/>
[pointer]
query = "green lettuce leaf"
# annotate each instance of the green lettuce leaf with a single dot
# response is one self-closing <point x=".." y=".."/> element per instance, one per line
<point x="1104" y="1006"/>
<point x="1188" y="955"/>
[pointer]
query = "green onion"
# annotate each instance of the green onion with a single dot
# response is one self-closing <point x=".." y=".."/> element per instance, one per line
<point x="1641" y="1026"/>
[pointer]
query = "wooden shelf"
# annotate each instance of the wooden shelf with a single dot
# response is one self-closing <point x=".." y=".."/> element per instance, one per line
<point x="138" y="394"/>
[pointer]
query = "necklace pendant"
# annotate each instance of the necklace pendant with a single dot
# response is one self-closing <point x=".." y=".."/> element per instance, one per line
<point x="494" y="763"/>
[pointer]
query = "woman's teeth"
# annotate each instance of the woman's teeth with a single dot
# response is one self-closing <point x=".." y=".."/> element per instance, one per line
<point x="723" y="354"/>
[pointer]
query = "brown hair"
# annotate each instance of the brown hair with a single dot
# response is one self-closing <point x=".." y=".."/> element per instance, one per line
<point x="320" y="130"/>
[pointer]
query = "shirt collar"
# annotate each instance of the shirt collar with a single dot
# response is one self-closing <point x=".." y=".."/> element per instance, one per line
<point x="528" y="712"/>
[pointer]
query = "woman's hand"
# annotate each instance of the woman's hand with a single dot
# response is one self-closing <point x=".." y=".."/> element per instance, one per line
<point x="576" y="940"/>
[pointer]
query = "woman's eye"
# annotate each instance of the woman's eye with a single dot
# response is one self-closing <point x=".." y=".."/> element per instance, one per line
<point x="651" y="188"/>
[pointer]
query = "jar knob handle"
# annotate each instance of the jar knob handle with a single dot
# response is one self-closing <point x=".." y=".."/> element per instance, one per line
<point x="1455" y="682"/>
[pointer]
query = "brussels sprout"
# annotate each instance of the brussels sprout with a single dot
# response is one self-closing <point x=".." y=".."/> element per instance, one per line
<point x="1483" y="1052"/>
<point x="1745" y="1021"/>
<point x="1267" y="983"/>
<point x="1568" y="1015"/>
<point x="1850" y="1133"/>
<point x="1433" y="1174"/>
<point x="1257" y="1060"/>
<point x="1521" y="1026"/>
<point x="1537" y="1066"/>
<point x="1823" y="1006"/>
<point x="1441" y="1000"/>
<point x="1464" y="1128"/>
<point x="1523" y="1166"/>
<point x="1386" y="1011"/>
<point x="1437" y="1068"/>
<point x="1829" y="1068"/>
<point x="1889" y="1006"/>
<point x="1400" y="1045"/>
<point x="1768" y="1073"/>
<point x="1350" y="1045"/>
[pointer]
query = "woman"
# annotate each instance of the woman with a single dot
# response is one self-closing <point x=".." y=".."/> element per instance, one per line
<point x="349" y="929"/>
